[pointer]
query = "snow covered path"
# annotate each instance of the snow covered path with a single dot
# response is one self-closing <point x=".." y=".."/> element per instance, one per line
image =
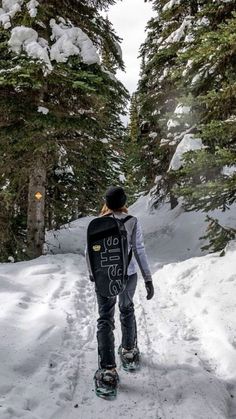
<point x="49" y="355"/>
<point x="187" y="333"/>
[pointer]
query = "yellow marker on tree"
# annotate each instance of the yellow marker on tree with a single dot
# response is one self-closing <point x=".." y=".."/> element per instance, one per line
<point x="38" y="196"/>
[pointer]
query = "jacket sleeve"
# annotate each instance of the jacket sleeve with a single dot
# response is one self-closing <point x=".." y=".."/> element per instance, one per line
<point x="88" y="262"/>
<point x="139" y="252"/>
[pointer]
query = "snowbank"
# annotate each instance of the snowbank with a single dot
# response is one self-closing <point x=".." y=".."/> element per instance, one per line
<point x="170" y="235"/>
<point x="41" y="343"/>
<point x="202" y="294"/>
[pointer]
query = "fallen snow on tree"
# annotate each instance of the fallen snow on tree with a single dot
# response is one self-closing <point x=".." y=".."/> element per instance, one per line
<point x="71" y="40"/>
<point x="170" y="4"/>
<point x="27" y="40"/>
<point x="172" y="123"/>
<point x="11" y="7"/>
<point x="177" y="35"/>
<point x="8" y="11"/>
<point x="181" y="109"/>
<point x="43" y="110"/>
<point x="32" y="7"/>
<point x="153" y="135"/>
<point x="229" y="170"/>
<point x="188" y="143"/>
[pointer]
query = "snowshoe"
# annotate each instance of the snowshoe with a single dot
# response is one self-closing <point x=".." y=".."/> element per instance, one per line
<point x="130" y="359"/>
<point x="106" y="382"/>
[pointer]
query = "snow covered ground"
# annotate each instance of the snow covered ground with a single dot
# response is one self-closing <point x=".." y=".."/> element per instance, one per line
<point x="187" y="333"/>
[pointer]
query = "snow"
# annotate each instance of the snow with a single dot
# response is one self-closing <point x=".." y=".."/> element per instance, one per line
<point x="153" y="135"/>
<point x="122" y="178"/>
<point x="43" y="110"/>
<point x="8" y="11"/>
<point x="10" y="70"/>
<point x="32" y="7"/>
<point x="27" y="39"/>
<point x="189" y="38"/>
<point x="178" y="34"/>
<point x="202" y="292"/>
<point x="181" y="109"/>
<point x="188" y="66"/>
<point x="170" y="4"/>
<point x="229" y="170"/>
<point x="188" y="143"/>
<point x="186" y="333"/>
<point x="11" y="7"/>
<point x="172" y="123"/>
<point x="71" y="41"/>
<point x="204" y="21"/>
<point x="196" y="78"/>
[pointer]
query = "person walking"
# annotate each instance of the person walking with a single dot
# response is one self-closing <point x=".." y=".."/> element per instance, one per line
<point x="115" y="206"/>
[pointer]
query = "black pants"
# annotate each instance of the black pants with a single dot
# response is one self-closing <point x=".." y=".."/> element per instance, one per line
<point x="106" y="323"/>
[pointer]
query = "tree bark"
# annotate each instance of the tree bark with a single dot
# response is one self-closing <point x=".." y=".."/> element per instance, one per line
<point x="36" y="208"/>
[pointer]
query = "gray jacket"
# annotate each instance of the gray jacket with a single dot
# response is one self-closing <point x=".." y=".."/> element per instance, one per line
<point x="135" y="241"/>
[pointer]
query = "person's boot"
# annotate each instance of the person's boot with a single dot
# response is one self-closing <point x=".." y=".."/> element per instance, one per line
<point x="130" y="358"/>
<point x="106" y="381"/>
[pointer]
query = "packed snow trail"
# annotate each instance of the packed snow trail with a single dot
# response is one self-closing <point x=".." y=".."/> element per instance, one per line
<point x="49" y="352"/>
<point x="186" y="333"/>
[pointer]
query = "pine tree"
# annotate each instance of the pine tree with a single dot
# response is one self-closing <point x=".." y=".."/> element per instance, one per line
<point x="55" y="99"/>
<point x="132" y="166"/>
<point x="187" y="89"/>
<point x="159" y="93"/>
<point x="208" y="177"/>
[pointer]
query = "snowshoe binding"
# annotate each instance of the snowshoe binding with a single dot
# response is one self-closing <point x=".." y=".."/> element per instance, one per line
<point x="130" y="359"/>
<point x="106" y="382"/>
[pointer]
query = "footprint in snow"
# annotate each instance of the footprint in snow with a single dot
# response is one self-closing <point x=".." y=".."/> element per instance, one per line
<point x="23" y="305"/>
<point x="231" y="278"/>
<point x="26" y="299"/>
<point x="46" y="332"/>
<point x="188" y="272"/>
<point x="47" y="271"/>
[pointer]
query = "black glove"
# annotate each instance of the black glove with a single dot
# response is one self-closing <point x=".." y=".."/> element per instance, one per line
<point x="91" y="278"/>
<point x="150" y="289"/>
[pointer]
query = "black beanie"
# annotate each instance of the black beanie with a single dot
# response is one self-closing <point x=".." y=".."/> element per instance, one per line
<point x="115" y="197"/>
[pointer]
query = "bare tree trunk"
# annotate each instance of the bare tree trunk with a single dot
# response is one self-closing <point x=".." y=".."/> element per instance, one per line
<point x="36" y="208"/>
<point x="173" y="201"/>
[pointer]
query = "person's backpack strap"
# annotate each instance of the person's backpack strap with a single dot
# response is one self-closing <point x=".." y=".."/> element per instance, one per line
<point x="123" y="220"/>
<point x="126" y="218"/>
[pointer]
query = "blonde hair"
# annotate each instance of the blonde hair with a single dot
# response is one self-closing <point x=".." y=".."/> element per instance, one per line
<point x="105" y="210"/>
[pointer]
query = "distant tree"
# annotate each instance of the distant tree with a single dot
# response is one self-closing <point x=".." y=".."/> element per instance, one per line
<point x="186" y="94"/>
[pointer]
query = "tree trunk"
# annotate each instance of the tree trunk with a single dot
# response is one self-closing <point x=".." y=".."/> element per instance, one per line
<point x="173" y="201"/>
<point x="36" y="208"/>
